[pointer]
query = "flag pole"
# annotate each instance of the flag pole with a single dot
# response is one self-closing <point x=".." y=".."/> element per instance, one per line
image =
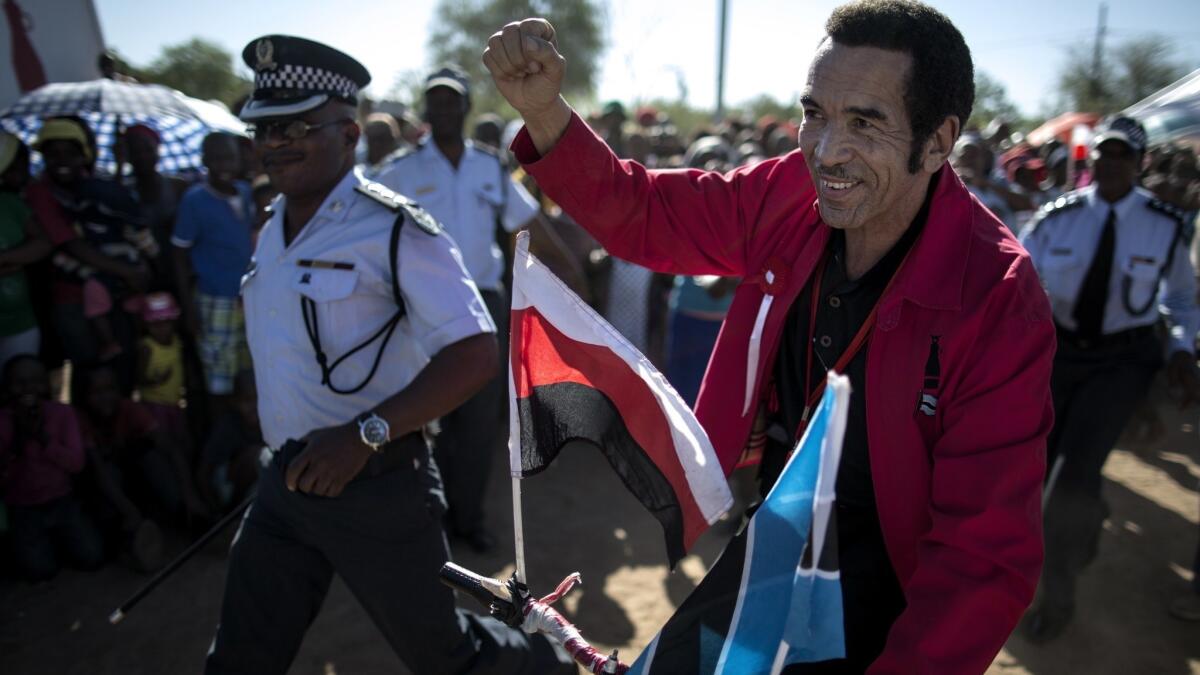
<point x="518" y="529"/>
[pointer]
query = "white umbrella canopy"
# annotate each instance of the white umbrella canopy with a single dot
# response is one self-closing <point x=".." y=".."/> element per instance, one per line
<point x="108" y="106"/>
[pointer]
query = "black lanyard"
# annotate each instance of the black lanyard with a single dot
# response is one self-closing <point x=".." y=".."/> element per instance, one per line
<point x="308" y="309"/>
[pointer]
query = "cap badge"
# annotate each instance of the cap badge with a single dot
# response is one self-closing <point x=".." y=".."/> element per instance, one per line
<point x="264" y="52"/>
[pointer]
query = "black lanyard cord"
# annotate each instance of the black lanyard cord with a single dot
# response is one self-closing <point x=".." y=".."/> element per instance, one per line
<point x="309" y="309"/>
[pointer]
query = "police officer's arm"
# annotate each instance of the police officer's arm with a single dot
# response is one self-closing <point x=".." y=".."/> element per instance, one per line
<point x="1177" y="297"/>
<point x="334" y="456"/>
<point x="448" y="319"/>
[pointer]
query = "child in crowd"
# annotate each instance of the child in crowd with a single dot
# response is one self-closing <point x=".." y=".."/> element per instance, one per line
<point x="160" y="366"/>
<point x="212" y="247"/>
<point x="22" y="243"/>
<point x="40" y="451"/>
<point x="138" y="473"/>
<point x="231" y="458"/>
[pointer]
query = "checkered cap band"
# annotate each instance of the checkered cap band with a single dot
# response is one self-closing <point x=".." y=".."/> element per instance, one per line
<point x="306" y="79"/>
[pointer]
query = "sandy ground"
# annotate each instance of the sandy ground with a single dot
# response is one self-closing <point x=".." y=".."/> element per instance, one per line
<point x="60" y="628"/>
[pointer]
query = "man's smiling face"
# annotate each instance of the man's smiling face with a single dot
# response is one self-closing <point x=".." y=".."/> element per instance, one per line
<point x="856" y="135"/>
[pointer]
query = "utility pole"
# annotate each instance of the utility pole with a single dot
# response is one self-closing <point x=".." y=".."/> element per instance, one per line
<point x="723" y="9"/>
<point x="1098" y="51"/>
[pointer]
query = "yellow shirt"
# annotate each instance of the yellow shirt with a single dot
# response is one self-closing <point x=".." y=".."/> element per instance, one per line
<point x="165" y="360"/>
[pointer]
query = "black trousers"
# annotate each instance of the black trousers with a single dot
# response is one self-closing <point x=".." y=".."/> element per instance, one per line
<point x="474" y="434"/>
<point x="1095" y="391"/>
<point x="384" y="537"/>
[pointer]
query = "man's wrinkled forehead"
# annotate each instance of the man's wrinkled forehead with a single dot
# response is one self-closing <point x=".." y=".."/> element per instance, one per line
<point x="863" y="77"/>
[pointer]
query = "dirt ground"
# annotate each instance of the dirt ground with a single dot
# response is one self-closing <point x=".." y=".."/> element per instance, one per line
<point x="60" y="628"/>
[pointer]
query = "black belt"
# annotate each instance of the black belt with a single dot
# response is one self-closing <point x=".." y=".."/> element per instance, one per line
<point x="1123" y="338"/>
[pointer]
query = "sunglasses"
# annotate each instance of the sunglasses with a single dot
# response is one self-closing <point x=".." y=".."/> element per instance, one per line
<point x="292" y="130"/>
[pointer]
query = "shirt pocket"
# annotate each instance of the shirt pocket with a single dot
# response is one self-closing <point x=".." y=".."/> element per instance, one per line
<point x="334" y="306"/>
<point x="1062" y="270"/>
<point x="1141" y="274"/>
<point x="323" y="285"/>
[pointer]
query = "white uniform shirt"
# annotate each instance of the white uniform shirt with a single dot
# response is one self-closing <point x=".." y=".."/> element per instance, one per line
<point x="1151" y="269"/>
<point x="443" y="307"/>
<point x="465" y="200"/>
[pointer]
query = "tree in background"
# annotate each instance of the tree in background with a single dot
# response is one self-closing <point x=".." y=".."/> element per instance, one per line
<point x="200" y="69"/>
<point x="462" y="27"/>
<point x="1132" y="71"/>
<point x="991" y="101"/>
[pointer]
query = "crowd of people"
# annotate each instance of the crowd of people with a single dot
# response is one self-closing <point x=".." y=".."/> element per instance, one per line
<point x="123" y="346"/>
<point x="129" y="401"/>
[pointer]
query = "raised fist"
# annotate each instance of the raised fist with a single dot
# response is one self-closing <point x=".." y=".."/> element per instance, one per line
<point x="524" y="61"/>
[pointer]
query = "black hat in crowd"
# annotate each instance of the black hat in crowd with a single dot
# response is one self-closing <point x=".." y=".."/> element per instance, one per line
<point x="293" y="75"/>
<point x="1121" y="128"/>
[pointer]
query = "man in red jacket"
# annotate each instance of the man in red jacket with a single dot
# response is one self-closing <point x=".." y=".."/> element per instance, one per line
<point x="864" y="253"/>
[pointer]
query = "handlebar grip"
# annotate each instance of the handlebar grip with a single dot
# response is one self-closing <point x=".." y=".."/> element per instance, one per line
<point x="484" y="589"/>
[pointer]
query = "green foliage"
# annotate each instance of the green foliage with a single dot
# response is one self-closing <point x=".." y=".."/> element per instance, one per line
<point x="198" y="68"/>
<point x="462" y="27"/>
<point x="991" y="101"/>
<point x="1132" y="71"/>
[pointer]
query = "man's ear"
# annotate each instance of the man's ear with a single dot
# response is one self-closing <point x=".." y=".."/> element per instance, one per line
<point x="352" y="132"/>
<point x="940" y="144"/>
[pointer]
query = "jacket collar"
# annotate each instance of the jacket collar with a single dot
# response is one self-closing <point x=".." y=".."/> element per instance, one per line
<point x="933" y="275"/>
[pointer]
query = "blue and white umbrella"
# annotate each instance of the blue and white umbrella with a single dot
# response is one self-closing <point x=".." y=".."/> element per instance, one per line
<point x="181" y="122"/>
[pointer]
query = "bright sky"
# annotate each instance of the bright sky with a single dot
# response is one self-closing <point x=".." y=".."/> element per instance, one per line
<point x="655" y="44"/>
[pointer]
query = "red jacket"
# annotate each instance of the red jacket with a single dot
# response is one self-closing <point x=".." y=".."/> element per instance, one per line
<point x="959" y="492"/>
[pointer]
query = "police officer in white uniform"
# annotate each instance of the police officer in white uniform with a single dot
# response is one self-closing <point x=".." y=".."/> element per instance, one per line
<point x="363" y="326"/>
<point x="468" y="189"/>
<point x="1114" y="262"/>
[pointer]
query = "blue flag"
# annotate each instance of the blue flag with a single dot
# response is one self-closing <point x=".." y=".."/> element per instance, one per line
<point x="774" y="596"/>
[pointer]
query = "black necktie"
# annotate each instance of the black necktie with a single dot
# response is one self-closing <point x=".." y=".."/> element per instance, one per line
<point x="1093" y="294"/>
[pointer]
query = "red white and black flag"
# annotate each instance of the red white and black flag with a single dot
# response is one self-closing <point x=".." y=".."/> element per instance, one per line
<point x="574" y="377"/>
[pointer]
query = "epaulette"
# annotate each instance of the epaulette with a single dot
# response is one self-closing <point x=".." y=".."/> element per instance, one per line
<point x="397" y="203"/>
<point x="1170" y="210"/>
<point x="1062" y="204"/>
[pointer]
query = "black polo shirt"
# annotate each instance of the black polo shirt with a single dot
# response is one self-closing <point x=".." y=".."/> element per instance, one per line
<point x="871" y="594"/>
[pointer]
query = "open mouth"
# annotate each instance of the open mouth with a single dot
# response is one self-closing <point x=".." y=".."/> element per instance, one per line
<point x="837" y="186"/>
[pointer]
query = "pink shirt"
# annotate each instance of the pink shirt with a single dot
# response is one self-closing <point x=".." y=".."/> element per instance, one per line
<point x="40" y="473"/>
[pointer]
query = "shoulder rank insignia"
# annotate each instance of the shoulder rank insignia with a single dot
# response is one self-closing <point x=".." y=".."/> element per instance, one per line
<point x="1061" y="205"/>
<point x="398" y="203"/>
<point x="1169" y="210"/>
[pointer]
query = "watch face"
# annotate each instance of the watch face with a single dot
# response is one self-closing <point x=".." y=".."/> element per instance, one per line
<point x="375" y="431"/>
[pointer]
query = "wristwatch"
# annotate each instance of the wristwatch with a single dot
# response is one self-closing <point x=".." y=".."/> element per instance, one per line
<point x="374" y="430"/>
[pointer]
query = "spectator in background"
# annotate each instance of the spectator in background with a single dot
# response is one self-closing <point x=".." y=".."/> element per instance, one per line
<point x="138" y="472"/>
<point x="107" y="63"/>
<point x="160" y="367"/>
<point x="412" y="129"/>
<point x="212" y="243"/>
<point x="231" y="458"/>
<point x="382" y="136"/>
<point x="469" y="191"/>
<point x="610" y="126"/>
<point x="158" y="195"/>
<point x="40" y="452"/>
<point x="970" y="160"/>
<point x="68" y="199"/>
<point x="22" y="243"/>
<point x="488" y="130"/>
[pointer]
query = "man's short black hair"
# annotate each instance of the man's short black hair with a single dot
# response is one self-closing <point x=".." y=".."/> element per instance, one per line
<point x="942" y="79"/>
